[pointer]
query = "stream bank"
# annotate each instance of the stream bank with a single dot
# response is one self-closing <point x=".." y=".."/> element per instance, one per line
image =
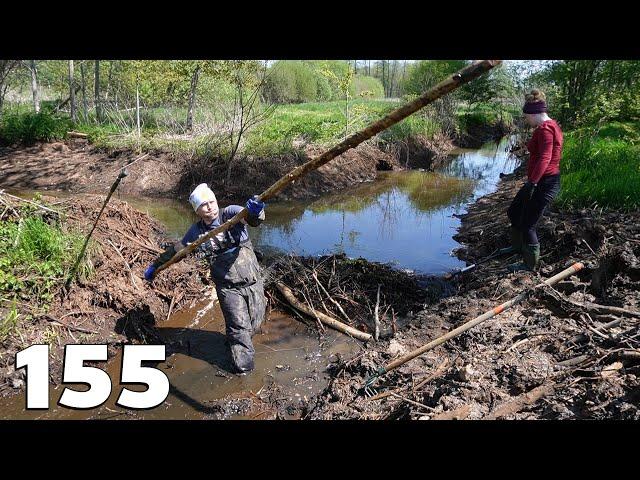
<point x="76" y="166"/>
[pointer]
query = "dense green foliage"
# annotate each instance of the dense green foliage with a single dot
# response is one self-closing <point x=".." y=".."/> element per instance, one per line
<point x="292" y="81"/>
<point x="483" y="114"/>
<point x="590" y="92"/>
<point x="323" y="124"/>
<point x="597" y="102"/>
<point x="602" y="167"/>
<point x="318" y="101"/>
<point x="29" y="127"/>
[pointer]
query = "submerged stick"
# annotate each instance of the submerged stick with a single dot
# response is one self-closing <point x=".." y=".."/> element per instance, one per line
<point x="463" y="76"/>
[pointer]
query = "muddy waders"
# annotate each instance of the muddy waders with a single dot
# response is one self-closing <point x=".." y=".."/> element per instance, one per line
<point x="240" y="290"/>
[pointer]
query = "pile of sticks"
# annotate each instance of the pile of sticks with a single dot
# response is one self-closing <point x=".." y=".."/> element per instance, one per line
<point x="363" y="295"/>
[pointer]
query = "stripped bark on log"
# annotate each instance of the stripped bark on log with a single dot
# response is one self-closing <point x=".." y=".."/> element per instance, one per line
<point x="325" y="319"/>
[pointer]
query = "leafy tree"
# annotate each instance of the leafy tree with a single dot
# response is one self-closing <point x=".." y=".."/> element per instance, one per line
<point x="590" y="92"/>
<point x="427" y="73"/>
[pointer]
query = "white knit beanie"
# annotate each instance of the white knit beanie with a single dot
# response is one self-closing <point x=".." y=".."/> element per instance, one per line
<point x="201" y="194"/>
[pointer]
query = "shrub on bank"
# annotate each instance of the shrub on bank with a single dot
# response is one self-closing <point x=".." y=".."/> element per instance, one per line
<point x="368" y="87"/>
<point x="30" y="127"/>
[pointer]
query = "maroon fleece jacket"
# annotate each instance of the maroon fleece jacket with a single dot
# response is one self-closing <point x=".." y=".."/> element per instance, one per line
<point x="545" y="151"/>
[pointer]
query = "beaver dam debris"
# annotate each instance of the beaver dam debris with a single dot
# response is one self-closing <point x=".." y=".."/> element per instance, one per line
<point x="373" y="298"/>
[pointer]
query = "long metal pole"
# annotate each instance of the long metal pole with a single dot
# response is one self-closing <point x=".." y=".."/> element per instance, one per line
<point x="465" y="75"/>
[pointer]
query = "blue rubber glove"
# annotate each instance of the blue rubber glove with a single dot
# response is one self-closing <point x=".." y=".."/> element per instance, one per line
<point x="255" y="206"/>
<point x="148" y="273"/>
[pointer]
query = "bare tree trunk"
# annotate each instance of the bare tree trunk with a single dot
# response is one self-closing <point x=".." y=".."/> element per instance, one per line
<point x="404" y="75"/>
<point x="241" y="129"/>
<point x="72" y="93"/>
<point x="393" y="77"/>
<point x="85" y="110"/>
<point x="192" y="98"/>
<point x="138" y="110"/>
<point x="106" y="95"/>
<point x="34" y="86"/>
<point x="346" y="128"/>
<point x="96" y="95"/>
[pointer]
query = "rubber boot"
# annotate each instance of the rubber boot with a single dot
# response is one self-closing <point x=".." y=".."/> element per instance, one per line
<point x="516" y="242"/>
<point x="531" y="255"/>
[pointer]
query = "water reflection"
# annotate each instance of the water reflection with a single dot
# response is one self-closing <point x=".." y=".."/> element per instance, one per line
<point x="404" y="218"/>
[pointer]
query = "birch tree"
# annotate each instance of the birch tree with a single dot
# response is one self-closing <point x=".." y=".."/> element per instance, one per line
<point x="72" y="94"/>
<point x="34" y="85"/>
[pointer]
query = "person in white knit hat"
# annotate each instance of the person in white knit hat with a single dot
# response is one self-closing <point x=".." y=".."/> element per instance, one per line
<point x="234" y="269"/>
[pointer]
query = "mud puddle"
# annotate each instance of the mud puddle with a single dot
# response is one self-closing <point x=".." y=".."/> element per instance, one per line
<point x="287" y="355"/>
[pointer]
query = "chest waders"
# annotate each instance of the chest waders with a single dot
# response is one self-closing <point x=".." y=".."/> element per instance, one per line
<point x="240" y="290"/>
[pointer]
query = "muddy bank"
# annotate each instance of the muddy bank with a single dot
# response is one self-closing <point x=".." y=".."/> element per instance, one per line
<point x="76" y="166"/>
<point x="115" y="305"/>
<point x="562" y="354"/>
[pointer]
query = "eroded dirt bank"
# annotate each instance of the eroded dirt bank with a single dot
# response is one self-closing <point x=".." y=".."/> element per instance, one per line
<point x="555" y="356"/>
<point x="76" y="166"/>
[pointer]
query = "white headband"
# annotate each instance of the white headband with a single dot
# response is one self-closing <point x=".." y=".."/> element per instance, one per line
<point x="201" y="194"/>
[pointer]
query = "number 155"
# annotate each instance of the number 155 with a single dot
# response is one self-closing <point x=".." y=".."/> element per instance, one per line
<point x="36" y="360"/>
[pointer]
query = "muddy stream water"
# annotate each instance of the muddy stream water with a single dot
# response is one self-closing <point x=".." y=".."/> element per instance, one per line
<point x="403" y="218"/>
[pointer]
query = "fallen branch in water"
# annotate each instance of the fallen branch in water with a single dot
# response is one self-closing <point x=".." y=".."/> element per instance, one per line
<point x="325" y="319"/>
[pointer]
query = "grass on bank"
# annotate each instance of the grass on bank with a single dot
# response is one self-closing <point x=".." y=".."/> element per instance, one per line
<point x="602" y="167"/>
<point x="38" y="256"/>
<point x="319" y="123"/>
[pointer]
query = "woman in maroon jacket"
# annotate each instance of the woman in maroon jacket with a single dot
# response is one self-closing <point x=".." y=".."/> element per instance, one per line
<point x="543" y="183"/>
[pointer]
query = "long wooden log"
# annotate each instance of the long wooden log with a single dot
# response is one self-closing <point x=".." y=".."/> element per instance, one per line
<point x="467" y="74"/>
<point x="325" y="319"/>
